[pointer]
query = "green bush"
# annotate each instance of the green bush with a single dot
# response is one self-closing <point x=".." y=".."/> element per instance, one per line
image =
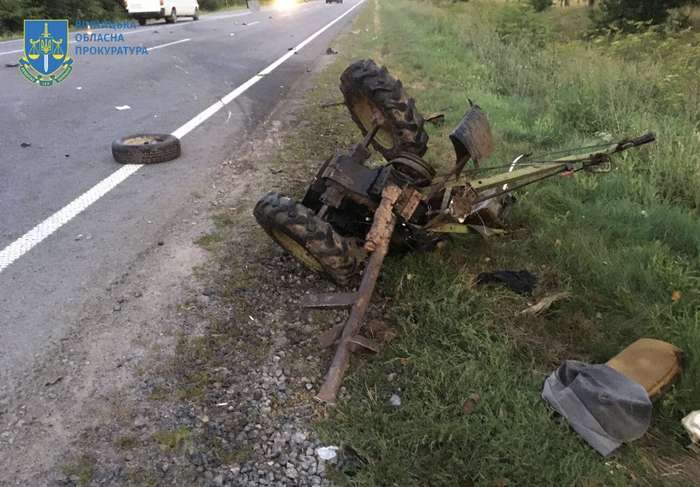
<point x="540" y="5"/>
<point x="517" y="23"/>
<point x="217" y="4"/>
<point x="632" y="15"/>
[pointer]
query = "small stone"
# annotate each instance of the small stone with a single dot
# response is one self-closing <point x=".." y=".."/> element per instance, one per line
<point x="395" y="400"/>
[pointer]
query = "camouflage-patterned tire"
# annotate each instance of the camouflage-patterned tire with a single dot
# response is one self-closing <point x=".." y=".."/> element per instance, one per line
<point x="371" y="92"/>
<point x="308" y="238"/>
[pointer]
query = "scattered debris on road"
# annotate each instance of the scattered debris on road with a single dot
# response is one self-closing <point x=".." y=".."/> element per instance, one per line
<point x="331" y="51"/>
<point x="24" y="145"/>
<point x="54" y="381"/>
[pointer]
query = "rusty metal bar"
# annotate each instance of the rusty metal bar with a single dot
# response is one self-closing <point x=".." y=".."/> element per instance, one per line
<point x="328" y="300"/>
<point x="378" y="240"/>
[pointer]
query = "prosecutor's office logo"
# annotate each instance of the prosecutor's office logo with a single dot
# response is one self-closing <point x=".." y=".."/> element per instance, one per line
<point x="46" y="60"/>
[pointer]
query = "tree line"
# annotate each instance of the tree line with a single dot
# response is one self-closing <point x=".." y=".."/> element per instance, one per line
<point x="623" y="14"/>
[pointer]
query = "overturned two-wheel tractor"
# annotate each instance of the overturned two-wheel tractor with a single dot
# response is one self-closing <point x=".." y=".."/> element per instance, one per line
<point x="352" y="215"/>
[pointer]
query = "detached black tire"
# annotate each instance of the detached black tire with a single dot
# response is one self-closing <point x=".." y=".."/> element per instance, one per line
<point x="308" y="238"/>
<point x="146" y="149"/>
<point x="371" y="92"/>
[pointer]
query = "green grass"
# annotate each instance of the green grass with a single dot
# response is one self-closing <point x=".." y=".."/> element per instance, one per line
<point x="81" y="470"/>
<point x="172" y="439"/>
<point x="622" y="243"/>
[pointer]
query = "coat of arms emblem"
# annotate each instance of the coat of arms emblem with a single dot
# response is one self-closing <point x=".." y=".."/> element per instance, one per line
<point x="46" y="59"/>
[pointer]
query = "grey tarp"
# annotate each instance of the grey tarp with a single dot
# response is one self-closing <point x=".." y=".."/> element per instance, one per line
<point x="602" y="405"/>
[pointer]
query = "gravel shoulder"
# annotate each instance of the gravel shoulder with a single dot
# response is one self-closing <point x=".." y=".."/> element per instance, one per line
<point x="196" y="366"/>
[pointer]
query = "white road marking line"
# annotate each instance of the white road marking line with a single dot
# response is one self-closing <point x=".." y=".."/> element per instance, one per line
<point x="25" y="243"/>
<point x="36" y="235"/>
<point x="11" y="52"/>
<point x="252" y="23"/>
<point x="168" y="44"/>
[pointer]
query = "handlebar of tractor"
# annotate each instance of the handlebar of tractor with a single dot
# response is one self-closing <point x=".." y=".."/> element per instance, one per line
<point x="530" y="172"/>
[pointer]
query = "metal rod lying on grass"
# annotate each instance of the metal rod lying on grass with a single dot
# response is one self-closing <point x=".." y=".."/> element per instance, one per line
<point x="378" y="240"/>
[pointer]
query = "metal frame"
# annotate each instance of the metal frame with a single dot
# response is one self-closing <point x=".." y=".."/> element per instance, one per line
<point x="395" y="196"/>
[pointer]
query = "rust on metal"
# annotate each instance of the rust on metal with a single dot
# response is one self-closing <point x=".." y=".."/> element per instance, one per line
<point x="408" y="202"/>
<point x="358" y="341"/>
<point x="472" y="137"/>
<point x="328" y="338"/>
<point x="382" y="229"/>
<point x="328" y="300"/>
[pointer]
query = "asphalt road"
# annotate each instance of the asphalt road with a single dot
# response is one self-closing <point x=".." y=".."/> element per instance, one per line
<point x="70" y="127"/>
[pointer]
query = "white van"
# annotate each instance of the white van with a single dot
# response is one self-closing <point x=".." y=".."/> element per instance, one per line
<point x="142" y="10"/>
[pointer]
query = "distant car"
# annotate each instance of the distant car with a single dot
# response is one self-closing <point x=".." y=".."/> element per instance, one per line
<point x="334" y="1"/>
<point x="142" y="10"/>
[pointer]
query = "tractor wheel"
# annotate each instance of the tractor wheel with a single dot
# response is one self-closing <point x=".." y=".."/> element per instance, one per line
<point x="309" y="239"/>
<point x="371" y="93"/>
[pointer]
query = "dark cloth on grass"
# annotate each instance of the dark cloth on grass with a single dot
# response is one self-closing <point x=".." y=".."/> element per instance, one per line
<point x="521" y="282"/>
